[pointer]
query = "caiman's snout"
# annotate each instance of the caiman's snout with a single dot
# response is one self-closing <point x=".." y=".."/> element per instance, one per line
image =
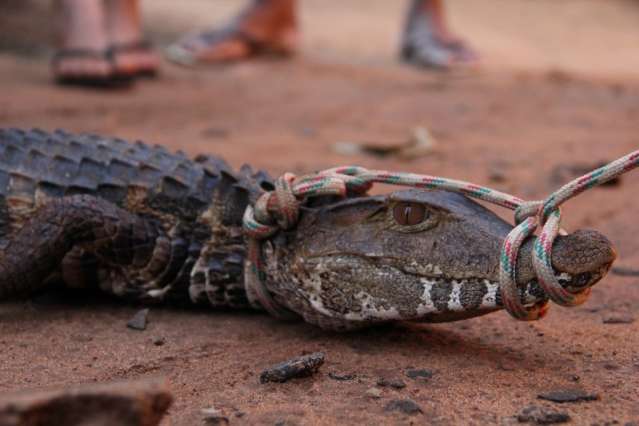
<point x="585" y="255"/>
<point x="421" y="256"/>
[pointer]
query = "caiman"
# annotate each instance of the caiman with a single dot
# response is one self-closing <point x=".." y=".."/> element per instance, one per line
<point x="142" y="223"/>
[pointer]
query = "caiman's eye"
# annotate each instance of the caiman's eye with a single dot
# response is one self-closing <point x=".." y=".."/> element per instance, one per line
<point x="409" y="214"/>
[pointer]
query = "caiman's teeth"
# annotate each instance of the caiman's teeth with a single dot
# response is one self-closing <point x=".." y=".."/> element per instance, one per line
<point x="427" y="306"/>
<point x="440" y="296"/>
<point x="449" y="296"/>
<point x="454" y="302"/>
<point x="428" y="270"/>
<point x="433" y="296"/>
<point x="564" y="278"/>
<point x="490" y="298"/>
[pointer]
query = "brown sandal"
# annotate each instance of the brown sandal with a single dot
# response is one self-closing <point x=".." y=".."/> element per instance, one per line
<point x="140" y="46"/>
<point x="86" y="80"/>
<point x="184" y="56"/>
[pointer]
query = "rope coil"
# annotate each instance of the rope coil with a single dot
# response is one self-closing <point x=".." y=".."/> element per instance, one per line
<point x="279" y="210"/>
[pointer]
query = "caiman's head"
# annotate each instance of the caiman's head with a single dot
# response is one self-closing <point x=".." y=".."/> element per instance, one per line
<point x="417" y="255"/>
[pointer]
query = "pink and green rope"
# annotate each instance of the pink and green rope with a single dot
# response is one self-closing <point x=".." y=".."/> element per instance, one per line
<point x="279" y="209"/>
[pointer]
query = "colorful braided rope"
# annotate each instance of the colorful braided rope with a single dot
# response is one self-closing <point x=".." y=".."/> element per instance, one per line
<point x="279" y="209"/>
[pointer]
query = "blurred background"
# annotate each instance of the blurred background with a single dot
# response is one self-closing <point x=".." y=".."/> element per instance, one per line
<point x="556" y="94"/>
<point x="589" y="36"/>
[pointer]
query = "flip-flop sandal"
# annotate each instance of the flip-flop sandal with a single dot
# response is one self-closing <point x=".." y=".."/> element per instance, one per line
<point x="140" y="46"/>
<point x="184" y="56"/>
<point x="461" y="52"/>
<point x="86" y="80"/>
<point x="420" y="48"/>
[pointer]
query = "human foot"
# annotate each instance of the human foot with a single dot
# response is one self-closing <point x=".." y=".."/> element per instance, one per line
<point x="82" y="57"/>
<point x="132" y="55"/>
<point x="426" y="50"/>
<point x="265" y="27"/>
<point x="135" y="59"/>
<point x="428" y="42"/>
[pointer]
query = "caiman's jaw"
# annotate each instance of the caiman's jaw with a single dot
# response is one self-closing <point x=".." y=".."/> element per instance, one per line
<point x="582" y="258"/>
<point x="583" y="280"/>
<point x="420" y="255"/>
<point x="360" y="288"/>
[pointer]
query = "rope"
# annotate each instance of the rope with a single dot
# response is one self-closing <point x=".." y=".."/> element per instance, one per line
<point x="279" y="210"/>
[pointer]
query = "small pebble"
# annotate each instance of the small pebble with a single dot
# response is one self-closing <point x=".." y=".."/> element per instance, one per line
<point x="131" y="403"/>
<point x="341" y="376"/>
<point x="611" y="366"/>
<point x="391" y="383"/>
<point x="301" y="366"/>
<point x="618" y="319"/>
<point x="568" y="395"/>
<point x="285" y="422"/>
<point x="374" y="393"/>
<point x="542" y="416"/>
<point x="83" y="338"/>
<point x="139" y="320"/>
<point x="507" y="365"/>
<point x="496" y="175"/>
<point x="213" y="416"/>
<point x="625" y="272"/>
<point x="159" y="341"/>
<point x="423" y="375"/>
<point x="406" y="406"/>
<point x="215" y="132"/>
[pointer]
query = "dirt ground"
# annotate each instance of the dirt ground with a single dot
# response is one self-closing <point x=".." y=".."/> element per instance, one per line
<point x="558" y="88"/>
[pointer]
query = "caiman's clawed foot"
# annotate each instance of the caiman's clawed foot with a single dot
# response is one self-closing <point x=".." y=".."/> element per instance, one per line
<point x="63" y="228"/>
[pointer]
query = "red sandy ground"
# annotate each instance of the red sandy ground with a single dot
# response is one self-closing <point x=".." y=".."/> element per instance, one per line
<point x="523" y="121"/>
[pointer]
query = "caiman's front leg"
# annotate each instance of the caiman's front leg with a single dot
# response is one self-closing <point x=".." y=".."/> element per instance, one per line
<point x="115" y="237"/>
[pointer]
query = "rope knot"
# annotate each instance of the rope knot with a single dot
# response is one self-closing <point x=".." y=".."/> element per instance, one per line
<point x="527" y="209"/>
<point x="279" y="210"/>
<point x="282" y="204"/>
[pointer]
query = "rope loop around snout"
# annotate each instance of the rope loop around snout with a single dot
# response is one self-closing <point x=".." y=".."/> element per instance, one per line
<point x="279" y="210"/>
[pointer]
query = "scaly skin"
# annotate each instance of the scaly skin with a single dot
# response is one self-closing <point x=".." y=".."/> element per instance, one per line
<point x="190" y="207"/>
<point x="146" y="224"/>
